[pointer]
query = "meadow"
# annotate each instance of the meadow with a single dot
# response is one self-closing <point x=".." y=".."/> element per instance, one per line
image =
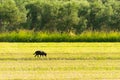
<point x="65" y="61"/>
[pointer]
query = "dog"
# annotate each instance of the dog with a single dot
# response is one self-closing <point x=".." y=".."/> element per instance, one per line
<point x="40" y="53"/>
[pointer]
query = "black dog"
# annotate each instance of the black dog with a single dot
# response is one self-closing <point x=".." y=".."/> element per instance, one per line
<point x="40" y="53"/>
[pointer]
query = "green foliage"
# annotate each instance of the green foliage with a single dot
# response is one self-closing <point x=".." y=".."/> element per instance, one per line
<point x="60" y="15"/>
<point x="10" y="15"/>
<point x="75" y="16"/>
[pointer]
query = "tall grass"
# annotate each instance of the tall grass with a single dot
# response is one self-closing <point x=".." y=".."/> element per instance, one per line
<point x="87" y="36"/>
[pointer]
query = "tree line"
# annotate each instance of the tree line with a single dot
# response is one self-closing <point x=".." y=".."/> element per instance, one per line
<point x="60" y="15"/>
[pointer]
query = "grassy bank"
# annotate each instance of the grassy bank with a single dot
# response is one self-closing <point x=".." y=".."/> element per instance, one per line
<point x="65" y="61"/>
<point x="88" y="36"/>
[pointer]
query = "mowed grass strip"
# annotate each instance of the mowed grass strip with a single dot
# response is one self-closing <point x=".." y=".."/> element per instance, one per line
<point x="60" y="51"/>
<point x="60" y="69"/>
<point x="60" y="65"/>
<point x="65" y="61"/>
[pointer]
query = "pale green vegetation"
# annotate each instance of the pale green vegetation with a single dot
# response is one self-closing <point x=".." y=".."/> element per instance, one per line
<point x="65" y="61"/>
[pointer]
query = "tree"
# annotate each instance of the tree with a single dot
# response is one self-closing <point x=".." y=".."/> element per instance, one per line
<point x="114" y="20"/>
<point x="10" y="16"/>
<point x="68" y="16"/>
<point x="83" y="13"/>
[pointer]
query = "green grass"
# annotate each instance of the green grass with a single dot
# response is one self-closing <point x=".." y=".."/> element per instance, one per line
<point x="65" y="61"/>
<point x="87" y="36"/>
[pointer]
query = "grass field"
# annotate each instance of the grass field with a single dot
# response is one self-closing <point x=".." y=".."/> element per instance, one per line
<point x="65" y="61"/>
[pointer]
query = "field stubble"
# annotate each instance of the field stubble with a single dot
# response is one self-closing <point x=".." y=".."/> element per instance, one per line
<point x="65" y="61"/>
